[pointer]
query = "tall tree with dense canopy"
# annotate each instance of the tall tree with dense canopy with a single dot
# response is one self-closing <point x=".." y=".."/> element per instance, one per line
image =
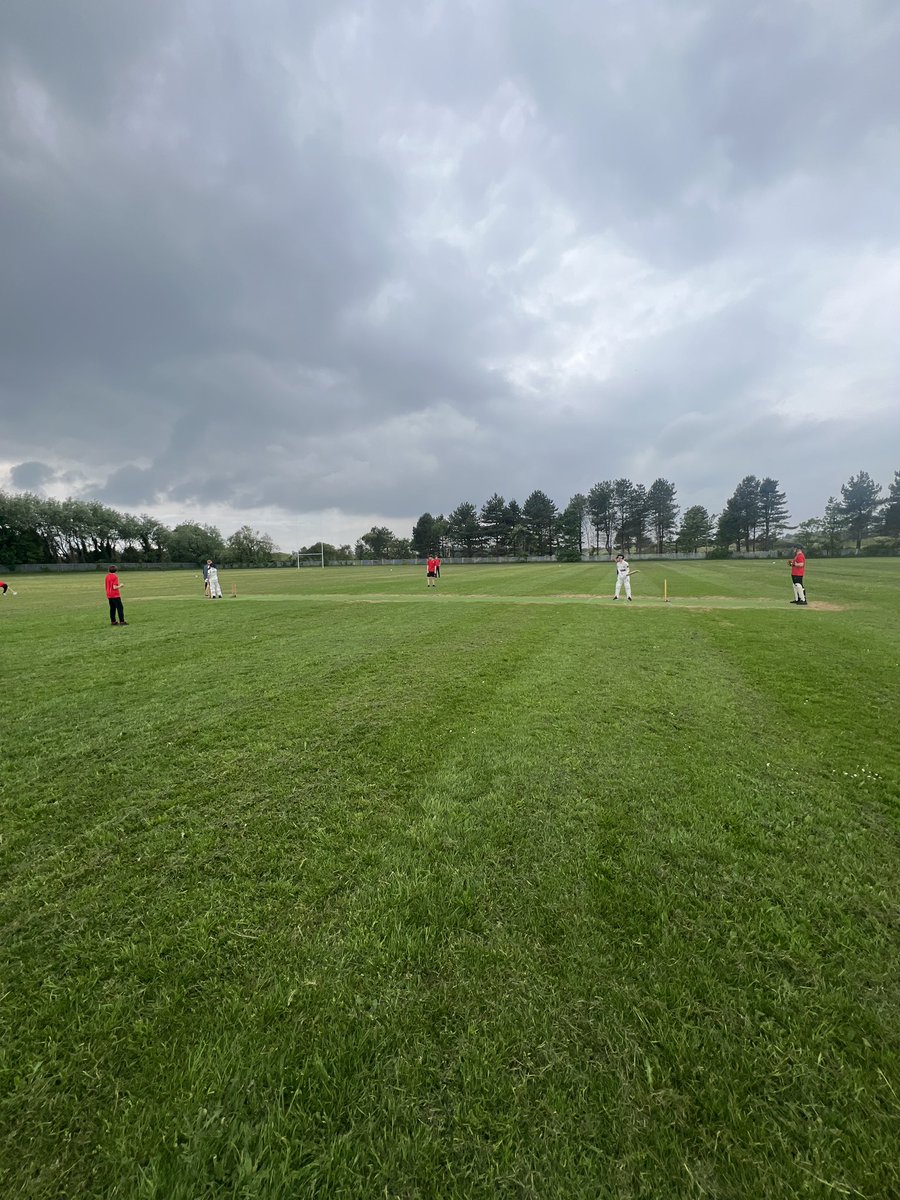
<point x="730" y="530"/>
<point x="19" y="538"/>
<point x="463" y="530"/>
<point x="622" y="490"/>
<point x="515" y="534"/>
<point x="739" y="520"/>
<point x="493" y="524"/>
<point x="834" y="525"/>
<point x="773" y="512"/>
<point x="48" y="524"/>
<point x="248" y="545"/>
<point x="376" y="543"/>
<point x="601" y="514"/>
<point x="578" y="504"/>
<point x="749" y="508"/>
<point x="514" y="527"/>
<point x="151" y="535"/>
<point x="425" y="536"/>
<point x="811" y="535"/>
<point x="570" y="527"/>
<point x="861" y="501"/>
<point x="75" y="520"/>
<point x="195" y="543"/>
<point x="128" y="533"/>
<point x="890" y="518"/>
<point x="637" y="518"/>
<point x="440" y="534"/>
<point x="696" y="529"/>
<point x="102" y="528"/>
<point x="663" y="511"/>
<point x="539" y="516"/>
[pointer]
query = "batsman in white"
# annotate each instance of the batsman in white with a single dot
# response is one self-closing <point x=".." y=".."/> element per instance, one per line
<point x="623" y="577"/>
<point x="212" y="579"/>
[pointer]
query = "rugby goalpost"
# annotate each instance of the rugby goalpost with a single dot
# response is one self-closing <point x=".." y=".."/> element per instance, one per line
<point x="319" y="554"/>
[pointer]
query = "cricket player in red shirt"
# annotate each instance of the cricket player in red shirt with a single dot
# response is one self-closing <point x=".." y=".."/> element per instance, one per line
<point x="115" y="600"/>
<point x="798" y="570"/>
<point x="431" y="571"/>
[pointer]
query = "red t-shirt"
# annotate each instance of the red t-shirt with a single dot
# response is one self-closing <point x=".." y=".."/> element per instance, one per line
<point x="432" y="563"/>
<point x="112" y="586"/>
<point x="798" y="563"/>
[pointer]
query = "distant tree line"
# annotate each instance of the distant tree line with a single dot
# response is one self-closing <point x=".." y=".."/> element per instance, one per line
<point x="861" y="513"/>
<point x="621" y="515"/>
<point x="34" y="529"/>
<point x="614" y="515"/>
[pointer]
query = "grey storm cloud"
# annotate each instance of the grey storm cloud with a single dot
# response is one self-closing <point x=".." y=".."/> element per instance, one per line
<point x="281" y="258"/>
<point x="31" y="476"/>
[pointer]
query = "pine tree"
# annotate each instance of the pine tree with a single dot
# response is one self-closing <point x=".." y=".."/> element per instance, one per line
<point x="696" y="529"/>
<point x="493" y="526"/>
<point x="600" y="514"/>
<point x="515" y="535"/>
<point x="638" y="516"/>
<point x="741" y="516"/>
<point x="539" y="514"/>
<point x="663" y="511"/>
<point x="773" y="512"/>
<point x="861" y="500"/>
<point x="834" y="525"/>
<point x="570" y="528"/>
<point x="423" y="536"/>
<point x="890" y="518"/>
<point x="730" y="529"/>
<point x="463" y="529"/>
<point x="622" y="490"/>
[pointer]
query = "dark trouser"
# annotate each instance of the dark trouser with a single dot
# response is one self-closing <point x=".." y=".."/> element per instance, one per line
<point x="115" y="606"/>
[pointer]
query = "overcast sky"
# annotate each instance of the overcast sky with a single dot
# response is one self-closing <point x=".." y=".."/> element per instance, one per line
<point x="317" y="266"/>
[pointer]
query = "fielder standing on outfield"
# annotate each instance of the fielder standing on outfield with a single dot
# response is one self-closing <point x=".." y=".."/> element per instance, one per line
<point x="114" y="598"/>
<point x="623" y="577"/>
<point x="798" y="573"/>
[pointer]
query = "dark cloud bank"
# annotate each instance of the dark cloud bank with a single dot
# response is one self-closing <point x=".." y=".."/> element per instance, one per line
<point x="279" y="260"/>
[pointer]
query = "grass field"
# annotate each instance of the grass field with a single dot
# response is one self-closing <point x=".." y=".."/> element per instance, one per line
<point x="342" y="888"/>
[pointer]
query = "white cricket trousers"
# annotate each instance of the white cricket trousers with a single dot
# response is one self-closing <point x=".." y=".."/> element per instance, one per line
<point x="215" y="591"/>
<point x="620" y="579"/>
